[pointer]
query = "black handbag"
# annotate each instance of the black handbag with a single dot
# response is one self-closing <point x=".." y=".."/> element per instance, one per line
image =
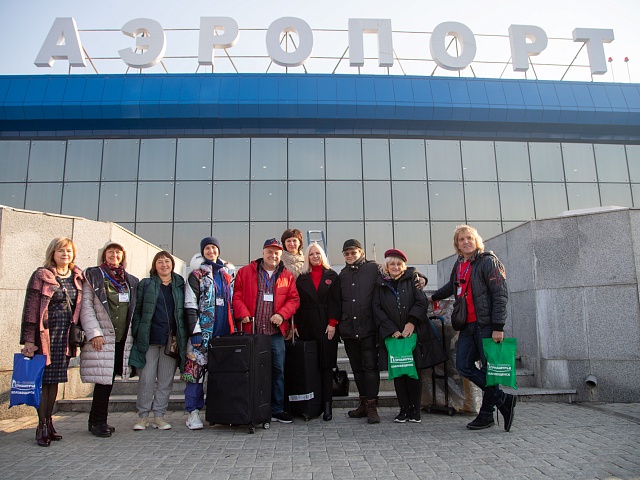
<point x="429" y="350"/>
<point x="459" y="313"/>
<point x="76" y="336"/>
<point x="340" y="383"/>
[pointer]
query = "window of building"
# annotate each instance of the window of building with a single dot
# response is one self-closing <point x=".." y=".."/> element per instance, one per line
<point x="84" y="160"/>
<point x="46" y="161"/>
<point x="194" y="159"/>
<point x="14" y="160"/>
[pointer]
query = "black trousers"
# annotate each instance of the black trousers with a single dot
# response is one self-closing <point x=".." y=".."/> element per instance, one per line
<point x="363" y="357"/>
<point x="102" y="393"/>
<point x="408" y="390"/>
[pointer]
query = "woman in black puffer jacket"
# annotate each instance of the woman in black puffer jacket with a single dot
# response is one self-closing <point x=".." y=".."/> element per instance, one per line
<point x="399" y="306"/>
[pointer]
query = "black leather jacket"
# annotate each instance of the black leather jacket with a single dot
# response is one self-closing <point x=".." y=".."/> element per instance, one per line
<point x="488" y="287"/>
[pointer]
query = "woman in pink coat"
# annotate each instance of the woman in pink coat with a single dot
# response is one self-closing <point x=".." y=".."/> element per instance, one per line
<point x="51" y="305"/>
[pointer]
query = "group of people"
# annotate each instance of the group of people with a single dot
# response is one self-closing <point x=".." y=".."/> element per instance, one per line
<point x="163" y="323"/>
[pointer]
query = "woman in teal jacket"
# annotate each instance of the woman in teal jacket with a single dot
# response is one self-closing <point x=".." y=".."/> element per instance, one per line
<point x="157" y="319"/>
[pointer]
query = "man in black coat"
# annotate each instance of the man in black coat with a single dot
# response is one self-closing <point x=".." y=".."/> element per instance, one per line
<point x="358" y="328"/>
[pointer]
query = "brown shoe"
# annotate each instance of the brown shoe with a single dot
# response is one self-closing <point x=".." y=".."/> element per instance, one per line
<point x="372" y="412"/>
<point x="53" y="435"/>
<point x="42" y="434"/>
<point x="361" y="411"/>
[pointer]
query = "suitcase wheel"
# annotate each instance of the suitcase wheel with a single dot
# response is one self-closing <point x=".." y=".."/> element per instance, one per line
<point x="266" y="425"/>
<point x="451" y="411"/>
<point x="252" y="429"/>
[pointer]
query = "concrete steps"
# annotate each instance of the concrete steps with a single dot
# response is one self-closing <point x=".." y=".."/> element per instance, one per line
<point x="123" y="398"/>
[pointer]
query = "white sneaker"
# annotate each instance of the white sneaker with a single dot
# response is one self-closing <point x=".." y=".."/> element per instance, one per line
<point x="142" y="423"/>
<point x="194" y="422"/>
<point x="160" y="423"/>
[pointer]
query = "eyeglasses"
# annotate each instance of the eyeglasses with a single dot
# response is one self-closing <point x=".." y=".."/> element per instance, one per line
<point x="350" y="253"/>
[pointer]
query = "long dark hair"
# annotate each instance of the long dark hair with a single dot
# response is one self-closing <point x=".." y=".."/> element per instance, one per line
<point x="161" y="254"/>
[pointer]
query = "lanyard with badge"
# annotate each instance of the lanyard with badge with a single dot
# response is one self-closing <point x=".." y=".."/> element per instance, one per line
<point x="123" y="290"/>
<point x="462" y="276"/>
<point x="268" y="296"/>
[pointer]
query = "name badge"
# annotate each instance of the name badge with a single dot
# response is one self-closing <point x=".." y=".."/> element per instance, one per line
<point x="123" y="297"/>
<point x="268" y="297"/>
<point x="220" y="302"/>
<point x="459" y="291"/>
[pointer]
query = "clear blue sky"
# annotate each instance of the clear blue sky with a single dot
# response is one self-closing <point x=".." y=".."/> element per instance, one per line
<point x="25" y="25"/>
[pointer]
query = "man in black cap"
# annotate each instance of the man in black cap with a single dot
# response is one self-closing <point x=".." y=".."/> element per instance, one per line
<point x="358" y="328"/>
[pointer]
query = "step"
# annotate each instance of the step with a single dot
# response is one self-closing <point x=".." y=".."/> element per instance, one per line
<point x="525" y="377"/>
<point x="547" y="395"/>
<point x="117" y="403"/>
<point x="127" y="403"/>
<point x="130" y="387"/>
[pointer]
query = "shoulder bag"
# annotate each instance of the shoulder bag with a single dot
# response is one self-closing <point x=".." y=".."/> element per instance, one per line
<point x="459" y="313"/>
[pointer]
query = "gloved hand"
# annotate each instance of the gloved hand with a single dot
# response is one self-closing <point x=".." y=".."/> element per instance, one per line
<point x="196" y="339"/>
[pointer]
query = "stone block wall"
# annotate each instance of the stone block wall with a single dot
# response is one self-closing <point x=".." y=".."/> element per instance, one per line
<point x="24" y="237"/>
<point x="573" y="300"/>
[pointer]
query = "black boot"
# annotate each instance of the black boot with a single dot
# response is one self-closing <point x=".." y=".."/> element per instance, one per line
<point x="109" y="427"/>
<point x="53" y="435"/>
<point x="508" y="410"/>
<point x="483" y="420"/>
<point x="100" y="430"/>
<point x="42" y="434"/>
<point x="328" y="412"/>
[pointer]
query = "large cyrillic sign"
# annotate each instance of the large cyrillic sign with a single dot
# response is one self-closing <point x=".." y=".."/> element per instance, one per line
<point x="63" y="43"/>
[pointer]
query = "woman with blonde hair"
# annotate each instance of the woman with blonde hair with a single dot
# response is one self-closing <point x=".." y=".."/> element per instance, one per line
<point x="52" y="303"/>
<point x="317" y="317"/>
<point x="399" y="306"/>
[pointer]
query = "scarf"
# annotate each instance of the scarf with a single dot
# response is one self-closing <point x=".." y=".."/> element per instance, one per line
<point x="115" y="275"/>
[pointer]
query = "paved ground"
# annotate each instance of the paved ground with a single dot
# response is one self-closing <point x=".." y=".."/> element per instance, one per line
<point x="555" y="441"/>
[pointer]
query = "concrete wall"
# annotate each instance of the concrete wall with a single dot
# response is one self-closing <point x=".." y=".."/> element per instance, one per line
<point x="573" y="300"/>
<point x="24" y="237"/>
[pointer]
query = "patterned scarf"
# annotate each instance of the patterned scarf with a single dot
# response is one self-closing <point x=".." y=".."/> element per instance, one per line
<point x="116" y="273"/>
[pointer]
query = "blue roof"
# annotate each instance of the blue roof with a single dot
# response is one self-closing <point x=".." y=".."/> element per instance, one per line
<point x="310" y="104"/>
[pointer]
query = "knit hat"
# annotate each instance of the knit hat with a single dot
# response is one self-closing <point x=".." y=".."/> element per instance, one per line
<point x="209" y="241"/>
<point x="352" y="243"/>
<point x="272" y="243"/>
<point x="394" y="252"/>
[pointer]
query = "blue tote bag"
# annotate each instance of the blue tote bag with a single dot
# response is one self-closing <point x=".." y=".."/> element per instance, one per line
<point x="26" y="381"/>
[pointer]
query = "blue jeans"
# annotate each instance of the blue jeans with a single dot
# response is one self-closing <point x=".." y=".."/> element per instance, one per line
<point x="468" y="352"/>
<point x="277" y="373"/>
<point x="193" y="397"/>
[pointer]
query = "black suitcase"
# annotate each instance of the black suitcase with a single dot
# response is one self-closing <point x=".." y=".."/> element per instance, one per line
<point x="239" y="381"/>
<point x="302" y="382"/>
<point x="435" y="408"/>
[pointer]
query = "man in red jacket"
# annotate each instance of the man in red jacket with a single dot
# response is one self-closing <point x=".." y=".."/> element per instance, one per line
<point x="266" y="292"/>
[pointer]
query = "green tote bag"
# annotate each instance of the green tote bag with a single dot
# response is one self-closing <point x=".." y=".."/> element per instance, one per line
<point x="401" y="356"/>
<point x="501" y="361"/>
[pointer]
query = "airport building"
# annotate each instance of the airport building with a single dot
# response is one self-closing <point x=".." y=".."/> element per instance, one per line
<point x="393" y="160"/>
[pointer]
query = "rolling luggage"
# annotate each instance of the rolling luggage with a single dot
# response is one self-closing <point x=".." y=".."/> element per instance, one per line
<point x="239" y="380"/>
<point x="302" y="382"/>
<point x="446" y="408"/>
